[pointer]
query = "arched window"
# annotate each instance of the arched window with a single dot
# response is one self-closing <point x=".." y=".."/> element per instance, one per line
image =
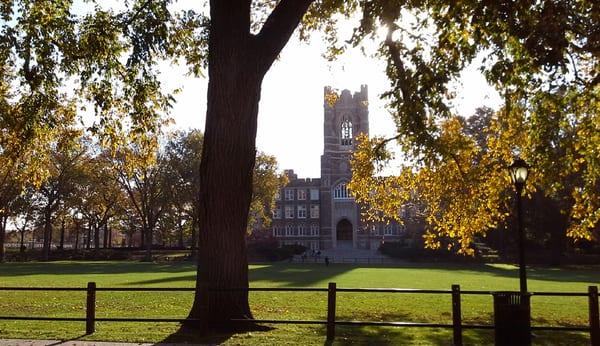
<point x="301" y="230"/>
<point x="346" y="132"/>
<point x="314" y="229"/>
<point x="289" y="230"/>
<point x="341" y="191"/>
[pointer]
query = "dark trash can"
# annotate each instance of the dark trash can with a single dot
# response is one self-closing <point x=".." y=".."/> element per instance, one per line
<point x="512" y="318"/>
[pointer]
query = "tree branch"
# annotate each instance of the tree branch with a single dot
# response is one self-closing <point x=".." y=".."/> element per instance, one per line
<point x="136" y="14"/>
<point x="397" y="60"/>
<point x="278" y="28"/>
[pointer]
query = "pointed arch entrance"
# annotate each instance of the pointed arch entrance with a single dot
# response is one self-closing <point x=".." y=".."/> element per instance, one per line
<point x="344" y="233"/>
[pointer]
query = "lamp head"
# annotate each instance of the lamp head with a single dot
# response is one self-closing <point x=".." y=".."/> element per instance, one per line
<point x="518" y="171"/>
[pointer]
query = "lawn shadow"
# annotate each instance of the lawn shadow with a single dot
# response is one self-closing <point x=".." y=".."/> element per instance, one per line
<point x="382" y="335"/>
<point x="183" y="278"/>
<point x="292" y="274"/>
<point x="310" y="274"/>
<point x="298" y="274"/>
<point x="586" y="274"/>
<point x="83" y="267"/>
<point x="387" y="335"/>
<point x="187" y="334"/>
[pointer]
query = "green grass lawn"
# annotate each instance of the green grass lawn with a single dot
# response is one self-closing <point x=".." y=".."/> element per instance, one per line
<point x="290" y="305"/>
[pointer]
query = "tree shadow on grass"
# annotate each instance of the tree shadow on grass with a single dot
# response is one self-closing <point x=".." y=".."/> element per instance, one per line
<point x="79" y="268"/>
<point x="187" y="334"/>
<point x="387" y="335"/>
<point x="309" y="274"/>
<point x="544" y="273"/>
<point x="170" y="279"/>
<point x="584" y="274"/>
<point x="298" y="274"/>
<point x="284" y="274"/>
<point x="291" y="274"/>
<point x="382" y="335"/>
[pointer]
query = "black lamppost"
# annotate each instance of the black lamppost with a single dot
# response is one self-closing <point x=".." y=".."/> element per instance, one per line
<point x="519" y="171"/>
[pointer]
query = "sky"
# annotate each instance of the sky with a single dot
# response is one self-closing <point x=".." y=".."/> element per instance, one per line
<point x="290" y="121"/>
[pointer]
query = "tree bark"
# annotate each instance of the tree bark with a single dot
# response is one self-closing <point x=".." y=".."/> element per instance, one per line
<point x="22" y="245"/>
<point x="89" y="236"/>
<point x="109" y="234"/>
<point x="97" y="236"/>
<point x="148" y="243"/>
<point x="2" y="235"/>
<point x="143" y="237"/>
<point x="62" y="234"/>
<point x="47" y="234"/>
<point x="180" y="232"/>
<point x="77" y="231"/>
<point x="105" y="237"/>
<point x="194" y="236"/>
<point x="226" y="168"/>
<point x="237" y="63"/>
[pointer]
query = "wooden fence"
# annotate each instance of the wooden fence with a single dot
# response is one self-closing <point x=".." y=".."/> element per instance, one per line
<point x="331" y="322"/>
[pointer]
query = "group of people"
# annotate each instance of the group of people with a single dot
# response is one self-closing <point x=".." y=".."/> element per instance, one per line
<point x="316" y="254"/>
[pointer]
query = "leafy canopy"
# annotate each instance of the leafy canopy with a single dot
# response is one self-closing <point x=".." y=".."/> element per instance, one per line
<point x="542" y="56"/>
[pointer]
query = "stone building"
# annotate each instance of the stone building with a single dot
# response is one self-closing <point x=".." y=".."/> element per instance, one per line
<point x="320" y="213"/>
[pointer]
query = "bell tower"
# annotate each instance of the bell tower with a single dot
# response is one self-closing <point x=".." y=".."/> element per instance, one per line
<point x="345" y="117"/>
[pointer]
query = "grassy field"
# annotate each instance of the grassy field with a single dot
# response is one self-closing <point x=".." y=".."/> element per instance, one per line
<point x="289" y="305"/>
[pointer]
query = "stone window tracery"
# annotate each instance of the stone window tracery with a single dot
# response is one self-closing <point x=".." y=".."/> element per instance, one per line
<point x="341" y="191"/>
<point x="346" y="132"/>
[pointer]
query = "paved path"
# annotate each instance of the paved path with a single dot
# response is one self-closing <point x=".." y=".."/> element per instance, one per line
<point x="22" y="342"/>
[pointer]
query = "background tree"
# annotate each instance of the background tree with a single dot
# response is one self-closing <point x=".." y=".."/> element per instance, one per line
<point x="65" y="171"/>
<point x="531" y="47"/>
<point x="99" y="196"/>
<point x="469" y="193"/>
<point x="537" y="66"/>
<point x="182" y="153"/>
<point x="141" y="172"/>
<point x="266" y="183"/>
<point x="24" y="215"/>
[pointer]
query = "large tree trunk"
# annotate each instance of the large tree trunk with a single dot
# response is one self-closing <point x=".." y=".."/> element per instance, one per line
<point x="226" y="180"/>
<point x="237" y="63"/>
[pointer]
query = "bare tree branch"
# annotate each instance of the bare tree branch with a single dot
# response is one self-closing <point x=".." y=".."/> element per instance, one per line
<point x="278" y="28"/>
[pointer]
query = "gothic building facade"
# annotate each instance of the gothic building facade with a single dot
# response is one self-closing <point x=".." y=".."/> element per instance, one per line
<point x="320" y="213"/>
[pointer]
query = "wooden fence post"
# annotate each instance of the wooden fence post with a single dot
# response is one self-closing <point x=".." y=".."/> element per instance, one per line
<point x="594" y="316"/>
<point x="90" y="312"/>
<point x="331" y="311"/>
<point x="456" y="315"/>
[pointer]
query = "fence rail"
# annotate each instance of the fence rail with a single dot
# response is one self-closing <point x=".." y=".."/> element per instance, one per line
<point x="331" y="322"/>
